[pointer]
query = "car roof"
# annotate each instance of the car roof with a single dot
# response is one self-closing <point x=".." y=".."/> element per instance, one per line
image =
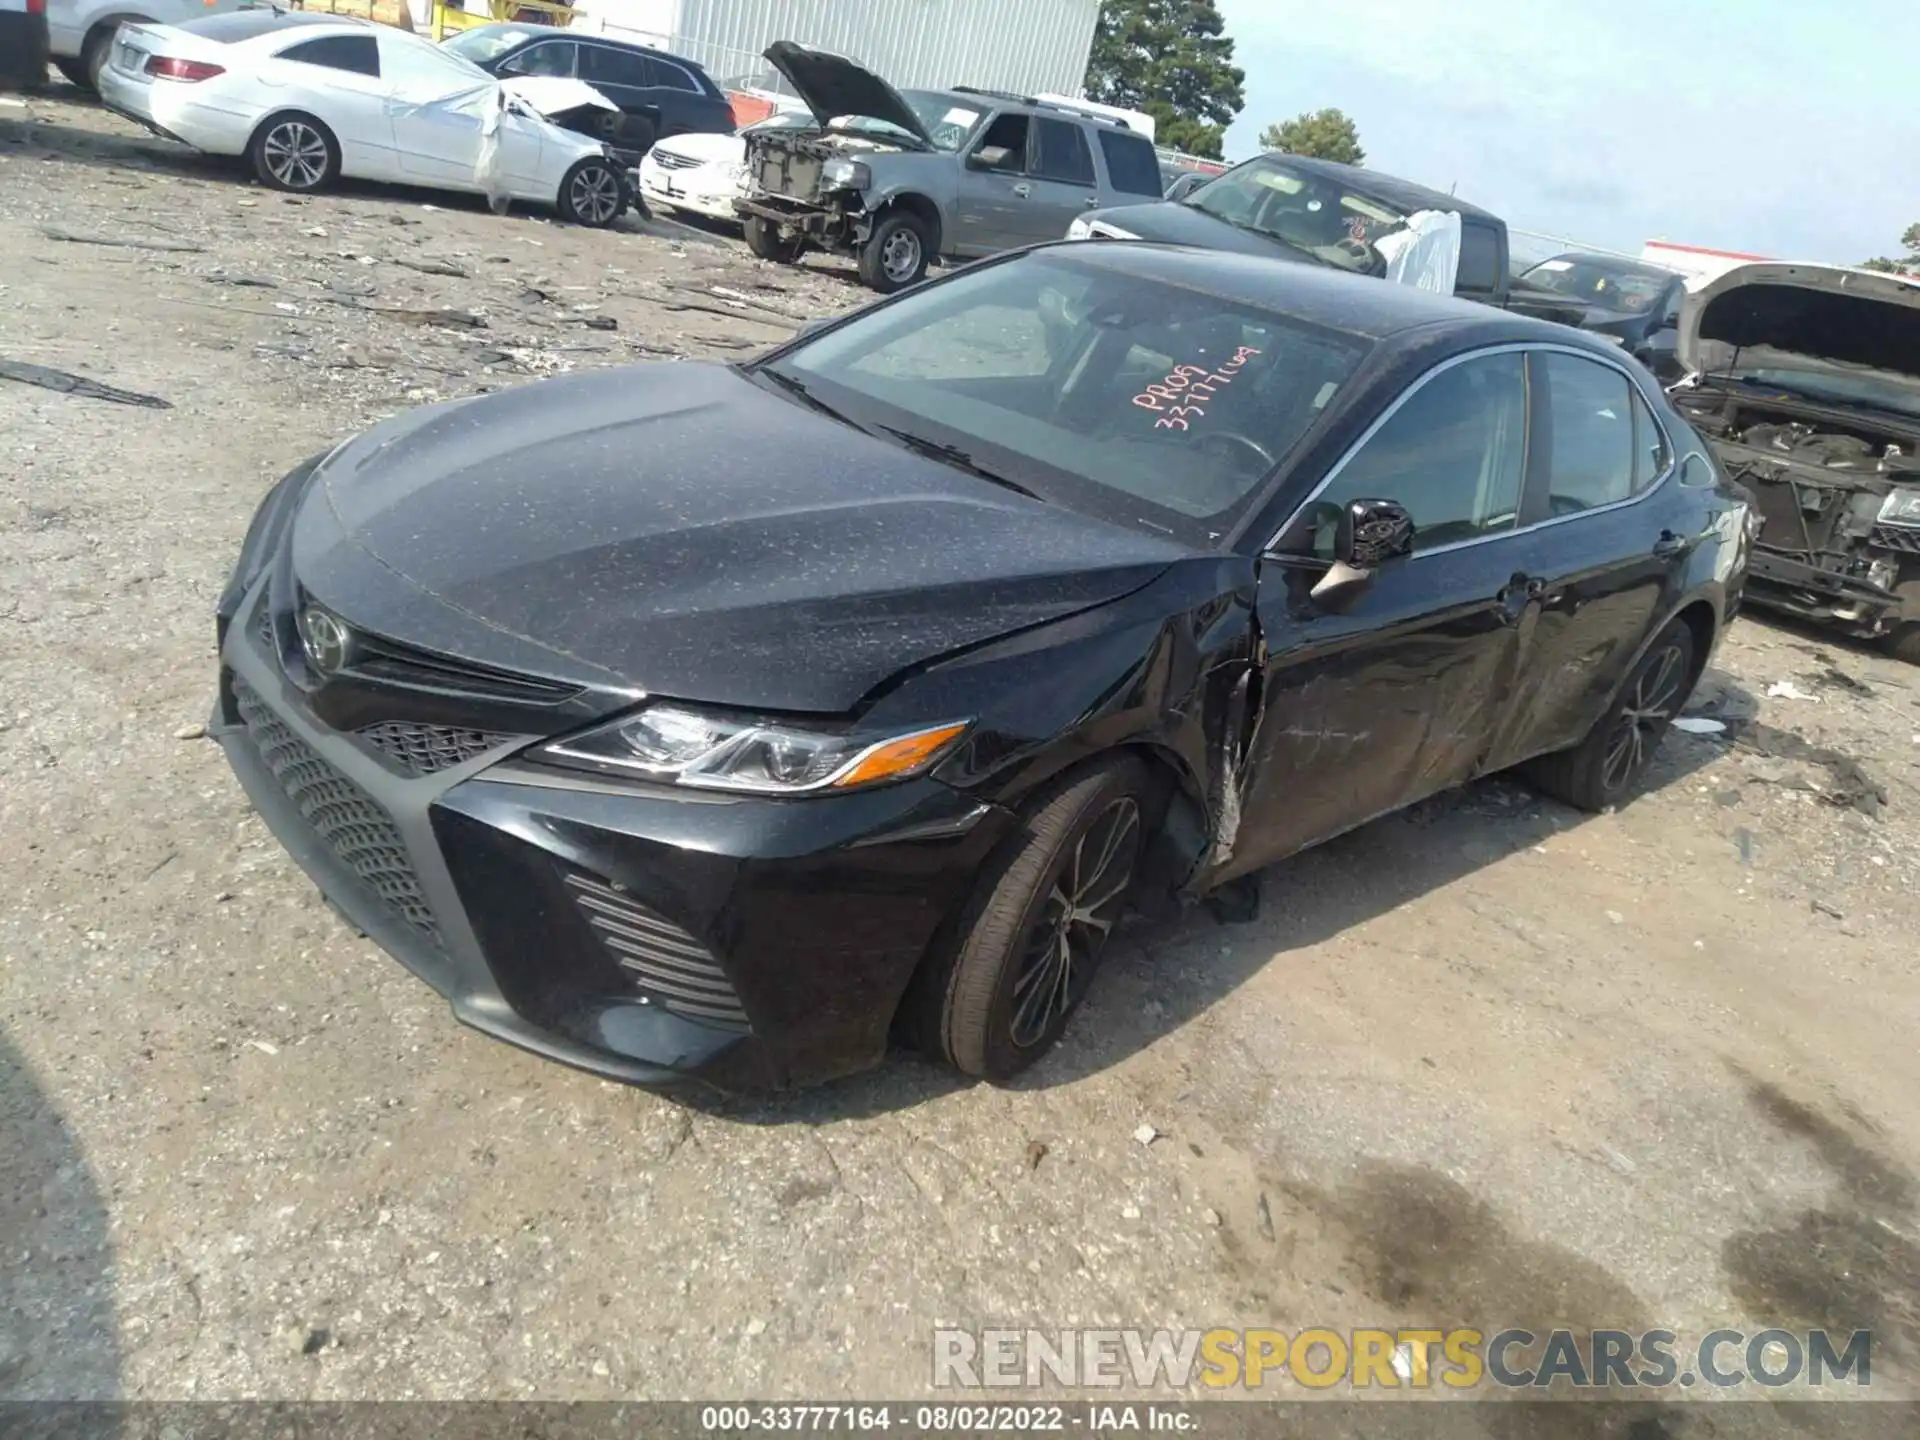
<point x="233" y="27"/>
<point x="536" y="34"/>
<point x="1403" y="195"/>
<point x="1359" y="305"/>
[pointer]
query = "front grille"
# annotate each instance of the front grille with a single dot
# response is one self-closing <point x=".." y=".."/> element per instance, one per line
<point x="668" y="964"/>
<point x="667" y="160"/>
<point x="427" y="749"/>
<point x="1899" y="538"/>
<point x="348" y="821"/>
<point x="379" y="659"/>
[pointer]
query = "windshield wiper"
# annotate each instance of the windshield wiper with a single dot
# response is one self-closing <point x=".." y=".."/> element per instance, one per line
<point x="798" y="389"/>
<point x="960" y="460"/>
<point x="1280" y="240"/>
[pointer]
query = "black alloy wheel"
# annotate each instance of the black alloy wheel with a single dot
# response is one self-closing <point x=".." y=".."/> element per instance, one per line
<point x="1026" y="949"/>
<point x="1606" y="767"/>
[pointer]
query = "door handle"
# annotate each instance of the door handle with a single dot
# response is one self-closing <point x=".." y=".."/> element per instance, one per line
<point x="1670" y="545"/>
<point x="1023" y="190"/>
<point x="1514" y="597"/>
<point x="1092" y="202"/>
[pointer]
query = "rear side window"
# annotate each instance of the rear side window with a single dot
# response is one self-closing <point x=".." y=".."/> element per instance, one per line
<point x="354" y="53"/>
<point x="1593" y="455"/>
<point x="605" y="65"/>
<point x="1479" y="260"/>
<point x="1650" y="453"/>
<point x="1061" y="153"/>
<point x="1131" y="163"/>
<point x="675" y="77"/>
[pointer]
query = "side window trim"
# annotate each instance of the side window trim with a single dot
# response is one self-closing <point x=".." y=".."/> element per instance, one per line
<point x="663" y="64"/>
<point x="1528" y="349"/>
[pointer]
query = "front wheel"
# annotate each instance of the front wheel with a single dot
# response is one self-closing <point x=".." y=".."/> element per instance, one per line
<point x="1027" y="945"/>
<point x="593" y="193"/>
<point x="1606" y="767"/>
<point x="295" y="152"/>
<point x="765" y="241"/>
<point x="896" y="254"/>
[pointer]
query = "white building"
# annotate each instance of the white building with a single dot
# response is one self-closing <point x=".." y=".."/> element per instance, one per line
<point x="1026" y="46"/>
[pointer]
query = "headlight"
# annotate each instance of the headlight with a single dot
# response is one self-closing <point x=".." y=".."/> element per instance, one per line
<point x="1902" y="507"/>
<point x="676" y="745"/>
<point x="845" y="175"/>
<point x="1080" y="229"/>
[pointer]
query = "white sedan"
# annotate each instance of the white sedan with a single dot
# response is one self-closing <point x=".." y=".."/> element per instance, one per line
<point x="703" y="174"/>
<point x="308" y="98"/>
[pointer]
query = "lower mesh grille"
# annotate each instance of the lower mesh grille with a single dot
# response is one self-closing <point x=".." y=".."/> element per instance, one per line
<point x="427" y="749"/>
<point x="670" y="965"/>
<point x="348" y="821"/>
<point x="1897" y="538"/>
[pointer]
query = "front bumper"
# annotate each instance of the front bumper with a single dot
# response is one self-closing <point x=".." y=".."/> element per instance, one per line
<point x="1782" y="582"/>
<point x="643" y="934"/>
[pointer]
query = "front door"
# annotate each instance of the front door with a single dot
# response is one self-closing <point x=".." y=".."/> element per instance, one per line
<point x="1604" y="566"/>
<point x="1397" y="693"/>
<point x="1061" y="179"/>
<point x="990" y="202"/>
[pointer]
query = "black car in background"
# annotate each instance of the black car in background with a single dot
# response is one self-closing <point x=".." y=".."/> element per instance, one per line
<point x="719" y="721"/>
<point x="658" y="94"/>
<point x="1636" y="303"/>
<point x="1295" y="207"/>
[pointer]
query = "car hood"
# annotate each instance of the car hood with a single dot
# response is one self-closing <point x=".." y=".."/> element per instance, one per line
<point x="1823" y="319"/>
<point x="1177" y="224"/>
<point x="834" y="86"/>
<point x="679" y="530"/>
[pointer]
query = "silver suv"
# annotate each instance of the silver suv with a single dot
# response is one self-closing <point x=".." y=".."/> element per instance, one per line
<point x="901" y="180"/>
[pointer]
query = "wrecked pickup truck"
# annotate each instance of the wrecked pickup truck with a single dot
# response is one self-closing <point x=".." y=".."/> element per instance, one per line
<point x="901" y="180"/>
<point x="1806" y="380"/>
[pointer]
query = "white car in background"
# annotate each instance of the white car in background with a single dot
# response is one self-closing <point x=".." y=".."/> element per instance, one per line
<point x="79" y="32"/>
<point x="308" y="98"/>
<point x="705" y="174"/>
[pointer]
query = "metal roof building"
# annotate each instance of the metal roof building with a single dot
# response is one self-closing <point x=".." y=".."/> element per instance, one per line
<point x="1029" y="46"/>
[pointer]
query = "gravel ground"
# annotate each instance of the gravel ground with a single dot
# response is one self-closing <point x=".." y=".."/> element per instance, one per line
<point x="1489" y="1062"/>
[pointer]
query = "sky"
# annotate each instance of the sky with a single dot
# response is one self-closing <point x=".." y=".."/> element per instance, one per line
<point x="1789" y="128"/>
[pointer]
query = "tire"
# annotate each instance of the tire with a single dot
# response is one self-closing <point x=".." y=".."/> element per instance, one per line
<point x="995" y="999"/>
<point x="1903" y="641"/>
<point x="293" y="151"/>
<point x="765" y="240"/>
<point x="93" y="58"/>
<point x="897" y="253"/>
<point x="1607" y="767"/>
<point x="75" y="72"/>
<point x="593" y="193"/>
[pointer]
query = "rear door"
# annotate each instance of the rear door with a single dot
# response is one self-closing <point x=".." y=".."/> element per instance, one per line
<point x="686" y="106"/>
<point x="1061" y="181"/>
<point x="342" y="79"/>
<point x="625" y="77"/>
<point x="1605" y="548"/>
<point x="1398" y="693"/>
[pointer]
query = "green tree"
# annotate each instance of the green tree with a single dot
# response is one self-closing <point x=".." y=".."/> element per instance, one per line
<point x="1907" y="264"/>
<point x="1174" y="60"/>
<point x="1324" y="134"/>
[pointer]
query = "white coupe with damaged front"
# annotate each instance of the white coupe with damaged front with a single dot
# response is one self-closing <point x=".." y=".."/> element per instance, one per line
<point x="308" y="103"/>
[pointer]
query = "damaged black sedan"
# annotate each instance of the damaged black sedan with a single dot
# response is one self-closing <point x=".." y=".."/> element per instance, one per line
<point x="722" y="722"/>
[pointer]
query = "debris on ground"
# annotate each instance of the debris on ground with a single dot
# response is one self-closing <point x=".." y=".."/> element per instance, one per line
<point x="1787" y="690"/>
<point x="1851" y="786"/>
<point x="1700" y="725"/>
<point x="76" y="237"/>
<point x="67" y="383"/>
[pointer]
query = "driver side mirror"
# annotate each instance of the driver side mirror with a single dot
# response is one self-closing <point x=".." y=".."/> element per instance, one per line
<point x="990" y="157"/>
<point x="1368" y="535"/>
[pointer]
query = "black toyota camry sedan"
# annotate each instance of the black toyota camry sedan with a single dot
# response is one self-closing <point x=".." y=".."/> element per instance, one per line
<point x="721" y="721"/>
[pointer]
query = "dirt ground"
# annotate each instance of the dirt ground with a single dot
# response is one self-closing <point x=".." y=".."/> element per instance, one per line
<point x="1489" y="1062"/>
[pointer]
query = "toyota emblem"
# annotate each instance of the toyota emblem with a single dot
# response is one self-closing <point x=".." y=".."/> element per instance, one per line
<point x="323" y="640"/>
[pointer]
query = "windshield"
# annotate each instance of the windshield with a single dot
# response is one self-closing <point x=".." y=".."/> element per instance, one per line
<point x="484" y="43"/>
<point x="1302" y="210"/>
<point x="1100" y="388"/>
<point x="949" y="122"/>
<point x="1612" y="287"/>
<point x="1882" y="393"/>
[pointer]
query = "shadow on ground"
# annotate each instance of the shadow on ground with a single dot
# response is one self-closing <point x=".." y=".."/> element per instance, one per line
<point x="57" y="1335"/>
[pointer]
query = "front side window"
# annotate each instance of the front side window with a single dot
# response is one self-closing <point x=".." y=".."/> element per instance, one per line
<point x="1061" y="153"/>
<point x="1454" y="454"/>
<point x="1102" y="388"/>
<point x="356" y="54"/>
<point x="1592" y="459"/>
<point x="550" y="58"/>
<point x="486" y="43"/>
<point x="1008" y="133"/>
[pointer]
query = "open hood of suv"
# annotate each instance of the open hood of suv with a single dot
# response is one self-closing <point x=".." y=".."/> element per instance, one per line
<point x="833" y="86"/>
<point x="1820" y="319"/>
